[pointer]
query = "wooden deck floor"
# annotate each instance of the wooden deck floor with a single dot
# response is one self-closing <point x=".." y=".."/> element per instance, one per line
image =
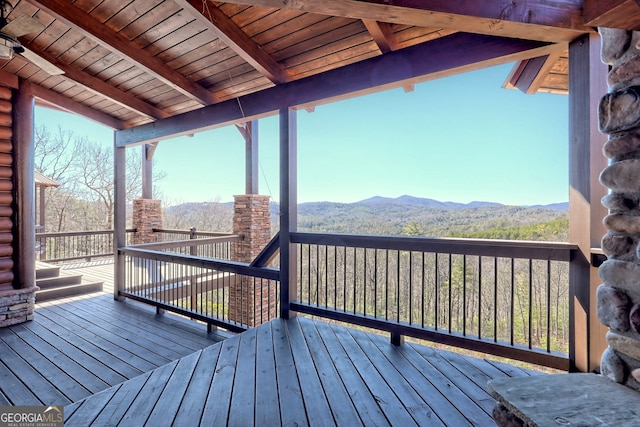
<point x="80" y="346"/>
<point x="115" y="363"/>
<point x="303" y="372"/>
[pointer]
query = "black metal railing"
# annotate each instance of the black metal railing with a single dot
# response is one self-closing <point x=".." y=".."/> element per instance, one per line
<point x="508" y="298"/>
<point x="75" y="245"/>
<point x="217" y="247"/>
<point x="220" y="292"/>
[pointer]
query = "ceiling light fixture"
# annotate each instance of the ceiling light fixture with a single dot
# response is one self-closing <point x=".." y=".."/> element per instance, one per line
<point x="6" y="48"/>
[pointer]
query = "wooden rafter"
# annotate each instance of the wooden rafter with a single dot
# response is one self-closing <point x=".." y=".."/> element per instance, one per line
<point x="226" y="30"/>
<point x="543" y="21"/>
<point x="382" y="34"/>
<point x="531" y="73"/>
<point x="95" y="30"/>
<point x="68" y="105"/>
<point x="429" y="61"/>
<point x="102" y="88"/>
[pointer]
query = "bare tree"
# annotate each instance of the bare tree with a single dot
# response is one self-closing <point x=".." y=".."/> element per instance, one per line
<point x="84" y="168"/>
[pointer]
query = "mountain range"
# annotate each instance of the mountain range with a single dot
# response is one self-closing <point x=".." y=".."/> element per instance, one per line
<point x="383" y="215"/>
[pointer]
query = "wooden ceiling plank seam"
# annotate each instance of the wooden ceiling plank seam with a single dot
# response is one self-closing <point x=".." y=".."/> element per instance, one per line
<point x="322" y="44"/>
<point x="103" y="11"/>
<point x="150" y="28"/>
<point x="290" y="29"/>
<point x="162" y="46"/>
<point x="76" y="108"/>
<point x="120" y="18"/>
<point x="231" y="9"/>
<point x="382" y="34"/>
<point x="225" y="29"/>
<point x="280" y="17"/>
<point x="309" y="36"/>
<point x="331" y="50"/>
<point x="200" y="41"/>
<point x="88" y="53"/>
<point x="94" y="6"/>
<point x="251" y="15"/>
<point x="429" y="61"/>
<point x="72" y="16"/>
<point x="543" y="21"/>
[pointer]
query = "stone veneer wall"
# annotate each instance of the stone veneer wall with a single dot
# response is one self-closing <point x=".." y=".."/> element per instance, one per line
<point x="17" y="305"/>
<point x="618" y="298"/>
<point x="147" y="215"/>
<point x="251" y="301"/>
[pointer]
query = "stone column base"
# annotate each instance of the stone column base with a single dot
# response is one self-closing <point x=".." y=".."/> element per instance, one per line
<point x="17" y="305"/>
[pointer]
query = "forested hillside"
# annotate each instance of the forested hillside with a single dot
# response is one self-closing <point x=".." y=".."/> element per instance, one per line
<point x="405" y="215"/>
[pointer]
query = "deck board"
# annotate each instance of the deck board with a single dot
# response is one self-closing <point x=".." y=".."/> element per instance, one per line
<point x="79" y="346"/>
<point x="302" y="372"/>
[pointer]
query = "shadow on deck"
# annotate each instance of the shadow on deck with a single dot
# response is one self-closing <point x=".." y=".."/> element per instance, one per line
<point x="118" y="363"/>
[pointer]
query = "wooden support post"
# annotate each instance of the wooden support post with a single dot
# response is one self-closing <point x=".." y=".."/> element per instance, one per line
<point x="587" y="85"/>
<point x="288" y="209"/>
<point x="147" y="170"/>
<point x="43" y="207"/>
<point x="120" y="218"/>
<point x="24" y="187"/>
<point x="251" y="158"/>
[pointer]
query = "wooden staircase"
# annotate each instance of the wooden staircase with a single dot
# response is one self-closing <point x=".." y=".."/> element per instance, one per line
<point x="55" y="283"/>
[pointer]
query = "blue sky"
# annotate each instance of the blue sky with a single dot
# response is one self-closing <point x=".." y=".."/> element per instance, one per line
<point x="461" y="139"/>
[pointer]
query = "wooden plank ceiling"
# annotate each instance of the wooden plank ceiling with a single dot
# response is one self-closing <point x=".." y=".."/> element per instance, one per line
<point x="128" y="63"/>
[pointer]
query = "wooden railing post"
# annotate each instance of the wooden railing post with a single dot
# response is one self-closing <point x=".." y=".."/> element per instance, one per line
<point x="120" y="218"/>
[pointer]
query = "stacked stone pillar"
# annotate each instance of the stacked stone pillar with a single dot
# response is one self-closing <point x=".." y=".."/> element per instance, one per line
<point x="147" y="215"/>
<point x="252" y="301"/>
<point x="618" y="298"/>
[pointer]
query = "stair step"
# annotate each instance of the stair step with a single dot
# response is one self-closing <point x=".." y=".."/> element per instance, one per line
<point x="44" y="271"/>
<point x="64" y="279"/>
<point x="68" y="291"/>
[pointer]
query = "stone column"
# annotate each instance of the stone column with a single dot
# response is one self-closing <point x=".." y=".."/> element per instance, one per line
<point x="251" y="301"/>
<point x="147" y="215"/>
<point x="618" y="298"/>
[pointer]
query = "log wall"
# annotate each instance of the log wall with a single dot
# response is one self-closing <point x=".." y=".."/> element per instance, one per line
<point x="6" y="189"/>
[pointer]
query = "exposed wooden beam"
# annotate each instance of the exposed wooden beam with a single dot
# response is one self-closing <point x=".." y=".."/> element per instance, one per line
<point x="445" y="56"/>
<point x="102" y="88"/>
<point x="382" y="34"/>
<point x="90" y="27"/>
<point x="532" y="72"/>
<point x="75" y="107"/>
<point x="534" y="20"/>
<point x="612" y="13"/>
<point x="226" y="30"/>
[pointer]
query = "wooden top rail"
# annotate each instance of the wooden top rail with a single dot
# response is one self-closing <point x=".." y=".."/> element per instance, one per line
<point x="555" y="251"/>
<point x="189" y="232"/>
<point x="194" y="261"/>
<point x="191" y="242"/>
<point x="81" y="233"/>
